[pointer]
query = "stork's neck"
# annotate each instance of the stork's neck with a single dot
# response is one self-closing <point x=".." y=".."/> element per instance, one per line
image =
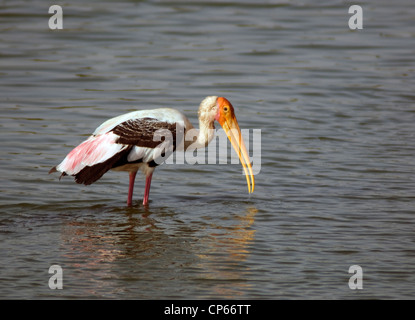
<point x="200" y="138"/>
<point x="204" y="134"/>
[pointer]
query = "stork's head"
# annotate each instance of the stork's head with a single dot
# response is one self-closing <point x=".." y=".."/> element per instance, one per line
<point x="220" y="109"/>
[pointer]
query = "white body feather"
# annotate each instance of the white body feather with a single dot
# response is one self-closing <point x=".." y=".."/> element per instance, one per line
<point x="102" y="144"/>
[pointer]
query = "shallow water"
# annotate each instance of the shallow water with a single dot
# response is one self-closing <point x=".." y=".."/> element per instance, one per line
<point x="336" y="185"/>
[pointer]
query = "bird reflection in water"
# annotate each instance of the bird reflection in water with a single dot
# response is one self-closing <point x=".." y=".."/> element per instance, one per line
<point x="224" y="260"/>
<point x="112" y="255"/>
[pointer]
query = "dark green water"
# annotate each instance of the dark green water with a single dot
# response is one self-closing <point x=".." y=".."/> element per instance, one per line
<point x="337" y="118"/>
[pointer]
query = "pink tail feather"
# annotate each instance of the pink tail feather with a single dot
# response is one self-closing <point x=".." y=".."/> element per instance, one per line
<point x="92" y="158"/>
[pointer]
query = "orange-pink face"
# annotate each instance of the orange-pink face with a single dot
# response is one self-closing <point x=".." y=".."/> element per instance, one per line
<point x="225" y="111"/>
<point x="226" y="118"/>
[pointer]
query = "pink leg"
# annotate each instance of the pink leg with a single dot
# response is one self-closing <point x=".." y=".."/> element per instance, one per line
<point x="147" y="189"/>
<point x="131" y="188"/>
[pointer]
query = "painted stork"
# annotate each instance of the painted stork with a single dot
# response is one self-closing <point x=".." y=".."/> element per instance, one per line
<point x="126" y="143"/>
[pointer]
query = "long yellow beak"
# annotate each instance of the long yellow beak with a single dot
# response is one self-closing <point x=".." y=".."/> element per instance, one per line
<point x="231" y="127"/>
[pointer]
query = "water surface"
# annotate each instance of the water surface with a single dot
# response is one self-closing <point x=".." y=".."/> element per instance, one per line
<point x="336" y="186"/>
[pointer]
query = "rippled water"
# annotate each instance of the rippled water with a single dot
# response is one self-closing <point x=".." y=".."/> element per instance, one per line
<point x="336" y="186"/>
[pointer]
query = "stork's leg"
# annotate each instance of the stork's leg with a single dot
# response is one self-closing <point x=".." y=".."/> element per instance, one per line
<point x="131" y="188"/>
<point x="147" y="189"/>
